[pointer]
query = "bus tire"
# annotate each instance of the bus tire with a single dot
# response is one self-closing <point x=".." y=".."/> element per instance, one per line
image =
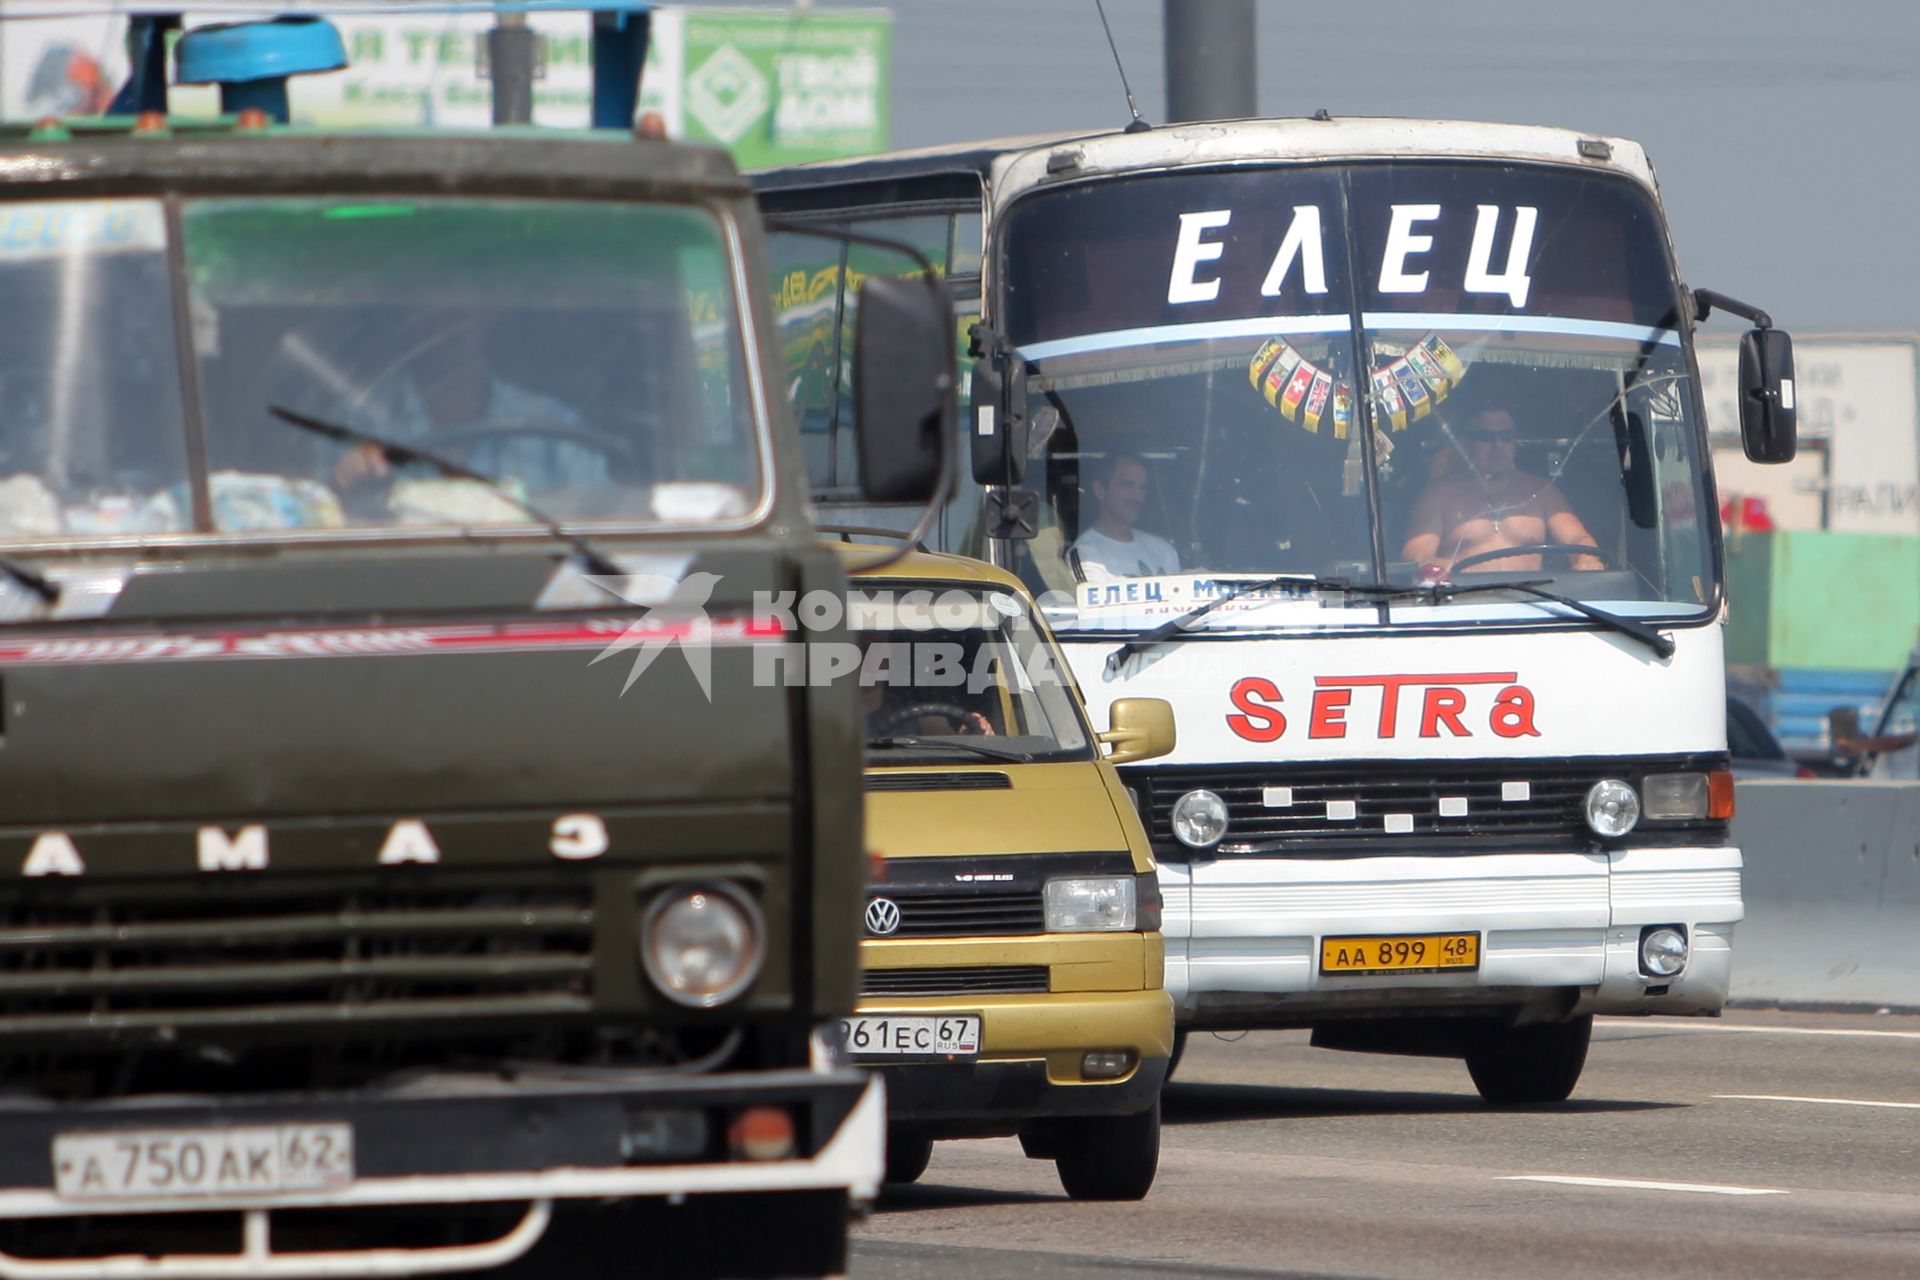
<point x="907" y="1158"/>
<point x="1110" y="1157"/>
<point x="1518" y="1066"/>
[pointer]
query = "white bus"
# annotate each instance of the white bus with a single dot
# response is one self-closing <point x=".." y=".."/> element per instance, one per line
<point x="1376" y="447"/>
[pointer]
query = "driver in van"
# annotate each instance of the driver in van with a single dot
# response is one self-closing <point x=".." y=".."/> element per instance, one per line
<point x="449" y="383"/>
<point x="1490" y="506"/>
<point x="1114" y="547"/>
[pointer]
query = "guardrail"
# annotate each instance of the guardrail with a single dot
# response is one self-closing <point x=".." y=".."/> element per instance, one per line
<point x="1832" y="886"/>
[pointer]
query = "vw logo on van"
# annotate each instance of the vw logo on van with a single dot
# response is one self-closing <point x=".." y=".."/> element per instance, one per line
<point x="883" y="917"/>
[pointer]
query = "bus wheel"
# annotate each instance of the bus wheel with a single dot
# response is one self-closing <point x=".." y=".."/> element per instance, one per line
<point x="1531" y="1064"/>
<point x="1110" y="1157"/>
<point x="907" y="1157"/>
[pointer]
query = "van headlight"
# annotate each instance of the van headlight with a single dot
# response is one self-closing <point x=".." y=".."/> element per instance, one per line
<point x="1613" y="807"/>
<point x="1093" y="904"/>
<point x="702" y="945"/>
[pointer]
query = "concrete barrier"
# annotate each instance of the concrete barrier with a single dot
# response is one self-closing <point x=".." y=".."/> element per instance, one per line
<point x="1832" y="887"/>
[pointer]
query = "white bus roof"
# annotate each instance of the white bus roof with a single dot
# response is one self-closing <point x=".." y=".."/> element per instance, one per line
<point x="1011" y="165"/>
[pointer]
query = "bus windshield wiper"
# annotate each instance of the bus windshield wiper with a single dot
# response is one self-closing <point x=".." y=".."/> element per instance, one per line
<point x="1174" y="626"/>
<point x="1434" y="593"/>
<point x="401" y="455"/>
<point x="911" y="743"/>
<point x="1442" y="591"/>
<point x="32" y="579"/>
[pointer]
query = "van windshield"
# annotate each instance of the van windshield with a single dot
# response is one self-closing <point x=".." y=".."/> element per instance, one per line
<point x="589" y="355"/>
<point x="957" y="672"/>
<point x="1394" y="373"/>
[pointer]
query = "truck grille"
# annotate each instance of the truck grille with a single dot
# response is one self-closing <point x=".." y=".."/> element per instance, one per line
<point x="1012" y="979"/>
<point x="1351" y="807"/>
<point x="140" y="960"/>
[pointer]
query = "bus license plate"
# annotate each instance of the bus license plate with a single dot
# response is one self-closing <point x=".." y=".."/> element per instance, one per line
<point x="164" y="1164"/>
<point x="912" y="1035"/>
<point x="1419" y="953"/>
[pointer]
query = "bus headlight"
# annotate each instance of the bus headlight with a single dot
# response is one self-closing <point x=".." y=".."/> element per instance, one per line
<point x="1199" y="819"/>
<point x="1673" y="796"/>
<point x="1095" y="904"/>
<point x="702" y="945"/>
<point x="1612" y="807"/>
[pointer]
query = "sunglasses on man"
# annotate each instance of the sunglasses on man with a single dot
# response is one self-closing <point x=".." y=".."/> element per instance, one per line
<point x="1476" y="433"/>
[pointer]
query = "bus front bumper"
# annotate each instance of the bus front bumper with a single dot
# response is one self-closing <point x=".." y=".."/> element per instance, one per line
<point x="1559" y="934"/>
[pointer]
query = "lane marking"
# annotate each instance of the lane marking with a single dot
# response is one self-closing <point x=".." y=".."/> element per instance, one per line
<point x="1751" y="1030"/>
<point x="1830" y="1102"/>
<point x="1632" y="1184"/>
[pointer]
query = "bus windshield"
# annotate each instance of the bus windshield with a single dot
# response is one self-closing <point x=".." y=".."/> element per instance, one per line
<point x="1386" y="373"/>
<point x="588" y="356"/>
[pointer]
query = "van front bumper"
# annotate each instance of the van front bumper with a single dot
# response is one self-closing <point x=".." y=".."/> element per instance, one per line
<point x="1029" y="1066"/>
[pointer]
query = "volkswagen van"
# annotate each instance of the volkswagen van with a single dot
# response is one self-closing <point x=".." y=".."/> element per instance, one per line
<point x="1012" y="955"/>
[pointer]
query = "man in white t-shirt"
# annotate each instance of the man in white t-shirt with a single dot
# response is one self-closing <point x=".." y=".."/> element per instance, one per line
<point x="1113" y="548"/>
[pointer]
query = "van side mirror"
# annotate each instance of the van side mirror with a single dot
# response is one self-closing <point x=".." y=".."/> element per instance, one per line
<point x="1142" y="730"/>
<point x="904" y="400"/>
<point x="1767" y="412"/>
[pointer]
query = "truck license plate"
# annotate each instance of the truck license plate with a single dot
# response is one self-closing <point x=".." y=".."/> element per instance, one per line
<point x="150" y="1164"/>
<point x="897" y="1035"/>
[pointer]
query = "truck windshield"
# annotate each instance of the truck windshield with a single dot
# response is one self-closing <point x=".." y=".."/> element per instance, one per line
<point x="588" y="355"/>
<point x="947" y="671"/>
<point x="1211" y="347"/>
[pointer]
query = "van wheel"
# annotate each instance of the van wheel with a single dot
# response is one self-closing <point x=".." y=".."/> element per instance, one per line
<point x="907" y="1157"/>
<point x="1179" y="1047"/>
<point x="1110" y="1157"/>
<point x="1513" y="1066"/>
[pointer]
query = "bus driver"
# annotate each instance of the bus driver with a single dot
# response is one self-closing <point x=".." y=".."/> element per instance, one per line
<point x="1493" y="505"/>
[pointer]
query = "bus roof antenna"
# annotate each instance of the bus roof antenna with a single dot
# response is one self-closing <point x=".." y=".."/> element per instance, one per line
<point x="1138" y="125"/>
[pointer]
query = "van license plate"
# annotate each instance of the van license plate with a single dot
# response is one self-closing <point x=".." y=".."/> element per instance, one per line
<point x="1421" y="953"/>
<point x="164" y="1164"/>
<point x="912" y="1035"/>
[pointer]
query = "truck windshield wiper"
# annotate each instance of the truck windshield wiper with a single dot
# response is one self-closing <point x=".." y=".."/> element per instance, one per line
<point x="1174" y="626"/>
<point x="401" y="455"/>
<point x="32" y="579"/>
<point x="910" y="743"/>
<point x="1440" y="591"/>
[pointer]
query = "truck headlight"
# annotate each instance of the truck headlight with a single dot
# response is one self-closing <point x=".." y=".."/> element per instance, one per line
<point x="1199" y="819"/>
<point x="702" y="945"/>
<point x="1612" y="807"/>
<point x="1673" y="796"/>
<point x="1096" y="904"/>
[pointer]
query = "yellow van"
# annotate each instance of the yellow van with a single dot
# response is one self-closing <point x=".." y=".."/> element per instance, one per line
<point x="1012" y="955"/>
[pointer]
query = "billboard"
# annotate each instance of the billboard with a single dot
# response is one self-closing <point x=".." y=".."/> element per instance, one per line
<point x="774" y="86"/>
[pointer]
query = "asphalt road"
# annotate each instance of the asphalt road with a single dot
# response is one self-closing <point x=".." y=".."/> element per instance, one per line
<point x="1281" y="1160"/>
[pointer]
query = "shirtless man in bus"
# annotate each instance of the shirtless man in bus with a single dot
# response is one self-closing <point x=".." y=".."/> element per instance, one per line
<point x="1493" y="504"/>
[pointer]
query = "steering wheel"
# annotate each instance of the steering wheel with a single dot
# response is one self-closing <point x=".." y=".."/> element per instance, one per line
<point x="913" y="713"/>
<point x="612" y="448"/>
<point x="1534" y="548"/>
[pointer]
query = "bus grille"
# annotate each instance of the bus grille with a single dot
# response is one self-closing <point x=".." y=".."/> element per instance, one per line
<point x="132" y="958"/>
<point x="1351" y="808"/>
<point x="1014" y="979"/>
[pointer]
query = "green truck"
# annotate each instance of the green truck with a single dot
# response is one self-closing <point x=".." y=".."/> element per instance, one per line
<point x="406" y="859"/>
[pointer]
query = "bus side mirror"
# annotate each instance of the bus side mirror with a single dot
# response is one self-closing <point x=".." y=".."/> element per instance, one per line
<point x="997" y="421"/>
<point x="903" y="392"/>
<point x="1142" y="729"/>
<point x="1767" y="413"/>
